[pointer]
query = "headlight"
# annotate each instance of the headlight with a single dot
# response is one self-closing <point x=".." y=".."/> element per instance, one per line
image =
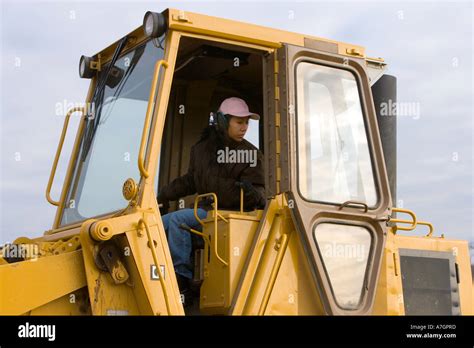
<point x="82" y="67"/>
<point x="85" y="70"/>
<point x="154" y="24"/>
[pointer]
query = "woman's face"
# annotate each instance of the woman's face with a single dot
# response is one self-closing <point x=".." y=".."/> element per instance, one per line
<point x="238" y="127"/>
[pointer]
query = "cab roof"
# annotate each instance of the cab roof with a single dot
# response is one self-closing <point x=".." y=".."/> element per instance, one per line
<point x="242" y="32"/>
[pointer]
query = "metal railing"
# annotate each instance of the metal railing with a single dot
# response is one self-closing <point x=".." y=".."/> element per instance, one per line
<point x="58" y="154"/>
<point x="149" y="112"/>
<point x="413" y="223"/>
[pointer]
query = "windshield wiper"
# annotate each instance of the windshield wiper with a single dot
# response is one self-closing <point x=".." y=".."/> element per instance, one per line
<point x="93" y="120"/>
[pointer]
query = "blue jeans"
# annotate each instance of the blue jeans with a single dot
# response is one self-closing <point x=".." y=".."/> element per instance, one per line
<point x="179" y="240"/>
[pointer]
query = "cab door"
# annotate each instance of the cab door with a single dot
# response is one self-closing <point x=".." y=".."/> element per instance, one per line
<point x="326" y="156"/>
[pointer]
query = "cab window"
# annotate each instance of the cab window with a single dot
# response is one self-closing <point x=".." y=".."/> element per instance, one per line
<point x="334" y="162"/>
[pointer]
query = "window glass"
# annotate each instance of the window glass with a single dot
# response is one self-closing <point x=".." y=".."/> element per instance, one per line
<point x="109" y="155"/>
<point x="334" y="160"/>
<point x="345" y="251"/>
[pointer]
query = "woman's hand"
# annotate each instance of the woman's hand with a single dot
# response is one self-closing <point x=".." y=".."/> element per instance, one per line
<point x="163" y="204"/>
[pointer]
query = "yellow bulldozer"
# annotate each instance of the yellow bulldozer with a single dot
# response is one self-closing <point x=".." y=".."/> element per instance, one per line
<point x="329" y="241"/>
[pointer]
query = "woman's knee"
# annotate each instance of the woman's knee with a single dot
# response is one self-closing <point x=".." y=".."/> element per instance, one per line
<point x="201" y="213"/>
<point x="175" y="218"/>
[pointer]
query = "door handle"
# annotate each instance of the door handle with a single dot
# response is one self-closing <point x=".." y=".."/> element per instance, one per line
<point x="349" y="203"/>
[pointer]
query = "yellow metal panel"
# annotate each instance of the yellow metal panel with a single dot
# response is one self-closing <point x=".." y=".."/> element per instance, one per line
<point x="263" y="271"/>
<point x="234" y="30"/>
<point x="241" y="233"/>
<point x="389" y="299"/>
<point x="76" y="303"/>
<point x="140" y="294"/>
<point x="249" y="33"/>
<point x="143" y="259"/>
<point x="226" y="41"/>
<point x="389" y="295"/>
<point x="459" y="249"/>
<point x="106" y="297"/>
<point x="295" y="292"/>
<point x="253" y="260"/>
<point x="30" y="284"/>
<point x="220" y="281"/>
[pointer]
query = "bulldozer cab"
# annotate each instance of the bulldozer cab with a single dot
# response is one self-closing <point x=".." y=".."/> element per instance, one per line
<point x="325" y="242"/>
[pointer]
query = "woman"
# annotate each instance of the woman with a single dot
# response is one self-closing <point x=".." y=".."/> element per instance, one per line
<point x="222" y="161"/>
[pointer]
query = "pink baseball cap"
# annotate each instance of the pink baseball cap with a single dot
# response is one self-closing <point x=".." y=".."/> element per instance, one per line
<point x="237" y="107"/>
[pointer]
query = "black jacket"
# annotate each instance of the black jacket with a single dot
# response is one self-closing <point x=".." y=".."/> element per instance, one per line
<point x="211" y="169"/>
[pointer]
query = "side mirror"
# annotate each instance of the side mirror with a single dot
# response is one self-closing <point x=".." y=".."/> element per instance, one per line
<point x="115" y="76"/>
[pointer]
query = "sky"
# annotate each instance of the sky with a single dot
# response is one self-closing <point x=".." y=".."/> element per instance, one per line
<point x="428" y="46"/>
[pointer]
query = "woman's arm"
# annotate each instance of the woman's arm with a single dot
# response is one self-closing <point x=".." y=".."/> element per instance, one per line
<point x="180" y="187"/>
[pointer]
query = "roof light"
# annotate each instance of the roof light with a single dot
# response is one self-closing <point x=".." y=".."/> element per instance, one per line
<point x="85" y="70"/>
<point x="154" y="24"/>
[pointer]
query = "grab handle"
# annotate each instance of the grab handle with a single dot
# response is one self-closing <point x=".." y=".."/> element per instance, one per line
<point x="58" y="154"/>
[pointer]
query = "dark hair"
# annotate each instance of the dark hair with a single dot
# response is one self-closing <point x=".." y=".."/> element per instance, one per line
<point x="222" y="121"/>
